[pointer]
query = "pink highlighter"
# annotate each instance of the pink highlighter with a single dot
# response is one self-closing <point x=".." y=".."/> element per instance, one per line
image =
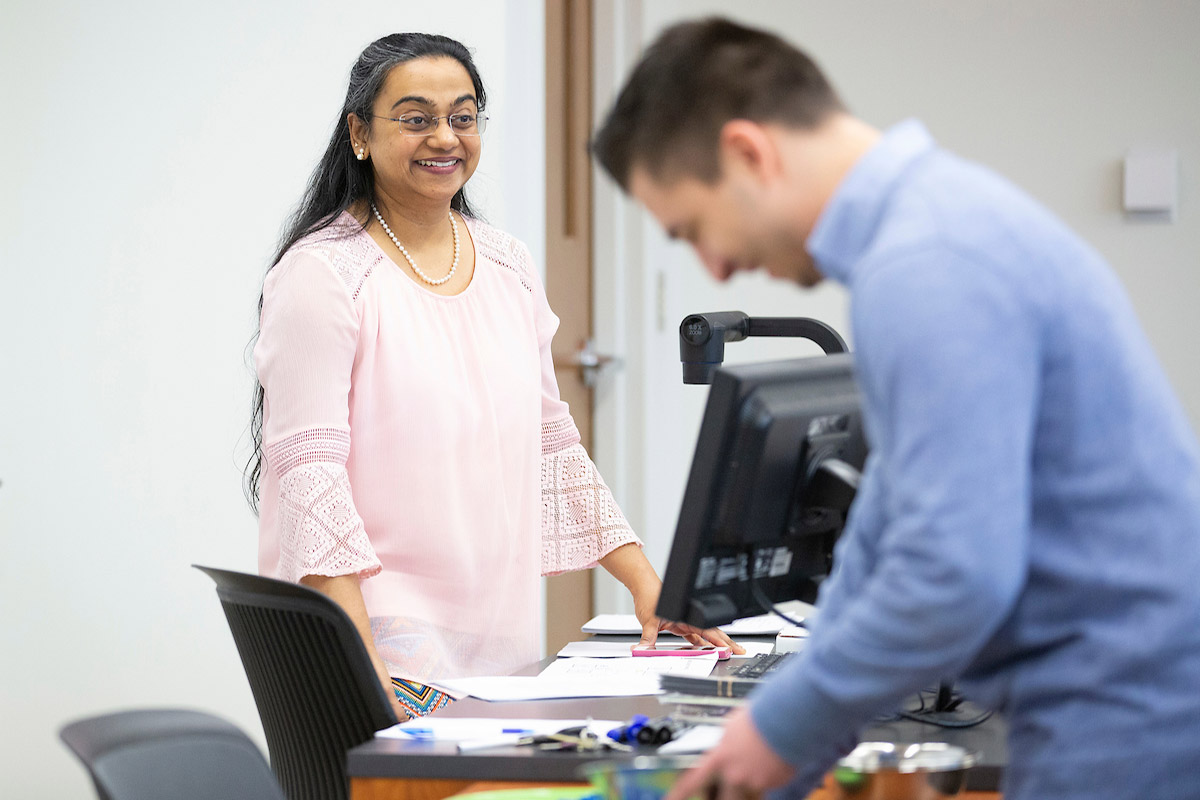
<point x="723" y="653"/>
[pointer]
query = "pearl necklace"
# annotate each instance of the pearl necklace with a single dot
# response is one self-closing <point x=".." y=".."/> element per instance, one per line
<point x="409" y="259"/>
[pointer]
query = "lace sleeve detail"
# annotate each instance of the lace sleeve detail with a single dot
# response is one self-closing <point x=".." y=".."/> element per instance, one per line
<point x="558" y="434"/>
<point x="320" y="532"/>
<point x="581" y="522"/>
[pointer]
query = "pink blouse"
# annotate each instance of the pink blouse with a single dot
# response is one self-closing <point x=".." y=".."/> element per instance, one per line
<point x="419" y="441"/>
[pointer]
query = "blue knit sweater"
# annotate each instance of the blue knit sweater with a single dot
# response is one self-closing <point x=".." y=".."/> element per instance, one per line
<point x="1028" y="522"/>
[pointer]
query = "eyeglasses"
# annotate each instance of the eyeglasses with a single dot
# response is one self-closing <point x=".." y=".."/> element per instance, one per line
<point x="418" y="124"/>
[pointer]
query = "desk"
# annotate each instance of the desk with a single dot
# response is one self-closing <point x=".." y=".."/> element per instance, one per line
<point x="395" y="769"/>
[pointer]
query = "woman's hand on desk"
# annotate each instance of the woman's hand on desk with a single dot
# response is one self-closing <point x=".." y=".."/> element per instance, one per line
<point x="628" y="565"/>
<point x="652" y="626"/>
<point x="645" y="601"/>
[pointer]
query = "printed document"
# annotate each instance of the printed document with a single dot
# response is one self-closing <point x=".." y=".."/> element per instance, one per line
<point x="584" y="677"/>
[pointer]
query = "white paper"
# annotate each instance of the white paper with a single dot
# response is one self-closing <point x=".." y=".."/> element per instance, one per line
<point x="593" y="648"/>
<point x="596" y="648"/>
<point x="754" y="649"/>
<point x="697" y="739"/>
<point x="762" y="625"/>
<point x="510" y="687"/>
<point x="613" y="623"/>
<point x="584" y="677"/>
<point x="629" y="667"/>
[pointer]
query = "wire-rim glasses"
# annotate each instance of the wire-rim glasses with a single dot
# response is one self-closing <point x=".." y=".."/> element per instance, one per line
<point x="418" y="123"/>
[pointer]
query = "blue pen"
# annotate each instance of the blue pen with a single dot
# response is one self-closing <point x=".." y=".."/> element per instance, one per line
<point x="526" y="731"/>
<point x="424" y="734"/>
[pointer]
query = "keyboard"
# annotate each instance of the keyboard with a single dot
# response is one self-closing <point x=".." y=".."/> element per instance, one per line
<point x="760" y="665"/>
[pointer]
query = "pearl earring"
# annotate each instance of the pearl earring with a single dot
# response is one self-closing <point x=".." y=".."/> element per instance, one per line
<point x="361" y="155"/>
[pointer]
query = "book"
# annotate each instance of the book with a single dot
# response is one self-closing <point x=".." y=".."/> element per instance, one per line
<point x="722" y="686"/>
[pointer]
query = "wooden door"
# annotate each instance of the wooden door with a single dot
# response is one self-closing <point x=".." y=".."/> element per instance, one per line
<point x="569" y="255"/>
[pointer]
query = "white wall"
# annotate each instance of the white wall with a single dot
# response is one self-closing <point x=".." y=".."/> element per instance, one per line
<point x="152" y="152"/>
<point x="1048" y="93"/>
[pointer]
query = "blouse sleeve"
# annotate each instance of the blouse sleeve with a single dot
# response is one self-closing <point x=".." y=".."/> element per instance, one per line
<point x="581" y="522"/>
<point x="304" y="356"/>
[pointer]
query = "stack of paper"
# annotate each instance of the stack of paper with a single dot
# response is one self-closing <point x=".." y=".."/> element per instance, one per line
<point x="608" y="669"/>
<point x="596" y="648"/>
<point x="762" y="625"/>
<point x="584" y="677"/>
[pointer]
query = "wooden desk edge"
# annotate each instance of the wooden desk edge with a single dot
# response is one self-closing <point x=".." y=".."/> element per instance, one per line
<point x="436" y="789"/>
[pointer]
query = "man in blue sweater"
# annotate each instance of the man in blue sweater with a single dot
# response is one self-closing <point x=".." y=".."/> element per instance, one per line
<point x="1028" y="524"/>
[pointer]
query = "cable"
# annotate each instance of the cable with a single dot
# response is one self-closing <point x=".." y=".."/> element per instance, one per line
<point x="765" y="603"/>
<point x="947" y="717"/>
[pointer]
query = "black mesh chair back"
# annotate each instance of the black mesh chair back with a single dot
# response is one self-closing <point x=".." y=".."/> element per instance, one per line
<point x="316" y="691"/>
<point x="185" y="755"/>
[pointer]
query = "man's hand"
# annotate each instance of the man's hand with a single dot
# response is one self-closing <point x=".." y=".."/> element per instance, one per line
<point x="742" y="764"/>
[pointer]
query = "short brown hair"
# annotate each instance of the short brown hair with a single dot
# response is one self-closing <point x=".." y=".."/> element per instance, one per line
<point x="696" y="77"/>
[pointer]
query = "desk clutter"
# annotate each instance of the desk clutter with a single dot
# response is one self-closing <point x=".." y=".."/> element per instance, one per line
<point x="470" y="734"/>
<point x="599" y="668"/>
<point x="641" y="742"/>
<point x="682" y="682"/>
<point x="474" y="734"/>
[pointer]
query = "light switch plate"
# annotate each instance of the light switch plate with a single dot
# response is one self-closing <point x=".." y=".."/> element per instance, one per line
<point x="1151" y="181"/>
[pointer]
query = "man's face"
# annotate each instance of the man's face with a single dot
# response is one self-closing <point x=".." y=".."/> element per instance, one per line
<point x="733" y="224"/>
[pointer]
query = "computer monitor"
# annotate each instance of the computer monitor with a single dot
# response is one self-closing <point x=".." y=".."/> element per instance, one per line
<point x="776" y="466"/>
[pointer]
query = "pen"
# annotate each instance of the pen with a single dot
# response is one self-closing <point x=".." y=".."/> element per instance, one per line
<point x="487" y="742"/>
<point x="427" y="733"/>
<point x="417" y="733"/>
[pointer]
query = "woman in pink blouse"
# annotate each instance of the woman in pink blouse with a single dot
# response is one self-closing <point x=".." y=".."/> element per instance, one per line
<point x="413" y="459"/>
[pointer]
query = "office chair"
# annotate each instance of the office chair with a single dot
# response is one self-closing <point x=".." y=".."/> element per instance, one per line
<point x="155" y="753"/>
<point x="316" y="691"/>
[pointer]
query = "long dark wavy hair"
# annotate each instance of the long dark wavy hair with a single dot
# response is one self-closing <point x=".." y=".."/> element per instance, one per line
<point x="340" y="180"/>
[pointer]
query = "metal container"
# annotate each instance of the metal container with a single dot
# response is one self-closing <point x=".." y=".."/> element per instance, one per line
<point x="892" y="771"/>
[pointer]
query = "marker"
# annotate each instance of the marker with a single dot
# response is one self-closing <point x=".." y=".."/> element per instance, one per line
<point x="628" y="733"/>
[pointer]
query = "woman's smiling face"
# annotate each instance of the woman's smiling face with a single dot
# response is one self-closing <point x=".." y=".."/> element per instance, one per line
<point x="436" y="165"/>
